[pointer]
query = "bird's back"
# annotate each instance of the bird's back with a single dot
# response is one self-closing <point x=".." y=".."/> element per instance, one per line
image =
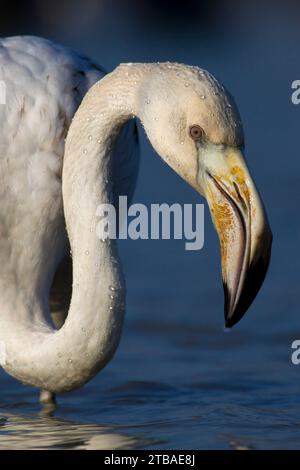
<point x="43" y="84"/>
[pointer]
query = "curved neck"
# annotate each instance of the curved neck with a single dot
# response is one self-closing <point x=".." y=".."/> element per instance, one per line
<point x="65" y="359"/>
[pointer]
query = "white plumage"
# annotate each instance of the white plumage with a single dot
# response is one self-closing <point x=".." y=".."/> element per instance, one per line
<point x="44" y="85"/>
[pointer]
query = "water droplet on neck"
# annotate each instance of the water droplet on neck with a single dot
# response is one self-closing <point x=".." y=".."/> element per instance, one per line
<point x="203" y="97"/>
<point x="99" y="141"/>
<point x="87" y="252"/>
<point x="156" y="119"/>
<point x="111" y="297"/>
<point x="181" y="143"/>
<point x="101" y="114"/>
<point x="186" y="84"/>
<point x="112" y="288"/>
<point x="70" y="361"/>
<point x="90" y="137"/>
<point x="85" y="151"/>
<point x="148" y="101"/>
<point x="88" y="119"/>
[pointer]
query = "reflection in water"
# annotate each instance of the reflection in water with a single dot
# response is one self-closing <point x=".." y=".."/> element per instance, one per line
<point x="45" y="432"/>
<point x="237" y="445"/>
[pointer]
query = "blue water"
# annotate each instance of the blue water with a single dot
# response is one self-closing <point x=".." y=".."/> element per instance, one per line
<point x="178" y="379"/>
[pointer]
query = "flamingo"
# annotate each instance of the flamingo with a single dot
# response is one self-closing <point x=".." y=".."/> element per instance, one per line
<point x="68" y="142"/>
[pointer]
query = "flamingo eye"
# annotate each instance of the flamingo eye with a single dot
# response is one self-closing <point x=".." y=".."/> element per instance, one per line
<point x="196" y="133"/>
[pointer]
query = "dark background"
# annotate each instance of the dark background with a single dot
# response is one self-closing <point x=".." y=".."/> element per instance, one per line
<point x="177" y="379"/>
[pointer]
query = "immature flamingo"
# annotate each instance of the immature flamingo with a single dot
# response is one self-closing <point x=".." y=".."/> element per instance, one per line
<point x="50" y="193"/>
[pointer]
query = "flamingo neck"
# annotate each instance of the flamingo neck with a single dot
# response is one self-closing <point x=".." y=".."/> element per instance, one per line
<point x="65" y="359"/>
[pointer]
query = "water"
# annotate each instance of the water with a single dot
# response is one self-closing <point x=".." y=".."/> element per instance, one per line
<point x="178" y="379"/>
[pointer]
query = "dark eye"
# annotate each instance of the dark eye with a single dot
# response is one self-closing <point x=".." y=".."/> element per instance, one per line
<point x="196" y="132"/>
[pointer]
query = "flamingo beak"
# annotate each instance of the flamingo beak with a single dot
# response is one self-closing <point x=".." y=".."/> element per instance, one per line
<point x="242" y="225"/>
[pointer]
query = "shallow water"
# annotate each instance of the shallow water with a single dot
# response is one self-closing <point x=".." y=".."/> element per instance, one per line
<point x="178" y="379"/>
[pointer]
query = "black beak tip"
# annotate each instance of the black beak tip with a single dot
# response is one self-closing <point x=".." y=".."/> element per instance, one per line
<point x="252" y="284"/>
<point x="231" y="317"/>
<point x="231" y="321"/>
